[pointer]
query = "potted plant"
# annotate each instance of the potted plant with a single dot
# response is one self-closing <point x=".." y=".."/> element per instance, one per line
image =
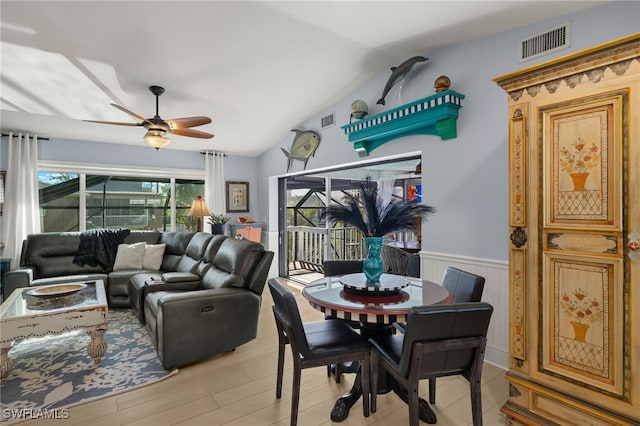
<point x="376" y="216"/>
<point x="217" y="223"/>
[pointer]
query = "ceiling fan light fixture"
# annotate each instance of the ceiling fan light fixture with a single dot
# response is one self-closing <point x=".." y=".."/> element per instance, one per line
<point x="155" y="138"/>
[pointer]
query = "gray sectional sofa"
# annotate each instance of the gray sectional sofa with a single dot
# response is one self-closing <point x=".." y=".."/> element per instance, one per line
<point x="204" y="299"/>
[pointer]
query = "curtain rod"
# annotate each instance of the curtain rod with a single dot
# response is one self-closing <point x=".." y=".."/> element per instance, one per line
<point x="213" y="153"/>
<point x="40" y="138"/>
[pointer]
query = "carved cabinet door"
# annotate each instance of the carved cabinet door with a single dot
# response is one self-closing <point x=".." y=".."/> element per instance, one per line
<point x="575" y="218"/>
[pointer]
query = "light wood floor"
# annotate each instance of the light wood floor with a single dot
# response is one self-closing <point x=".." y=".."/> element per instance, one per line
<point x="238" y="388"/>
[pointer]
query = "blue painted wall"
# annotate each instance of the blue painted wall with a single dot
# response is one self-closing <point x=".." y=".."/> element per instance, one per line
<point x="466" y="178"/>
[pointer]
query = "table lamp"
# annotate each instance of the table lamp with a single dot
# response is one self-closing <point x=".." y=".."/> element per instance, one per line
<point x="199" y="209"/>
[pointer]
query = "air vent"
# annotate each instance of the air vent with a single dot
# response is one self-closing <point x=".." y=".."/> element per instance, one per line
<point x="328" y="121"/>
<point x="555" y="39"/>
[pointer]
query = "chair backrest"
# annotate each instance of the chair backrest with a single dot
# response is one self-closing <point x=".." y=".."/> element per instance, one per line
<point x="286" y="310"/>
<point x="395" y="260"/>
<point x="194" y="252"/>
<point x="438" y="324"/>
<point x="334" y="268"/>
<point x="464" y="286"/>
<point x="238" y="263"/>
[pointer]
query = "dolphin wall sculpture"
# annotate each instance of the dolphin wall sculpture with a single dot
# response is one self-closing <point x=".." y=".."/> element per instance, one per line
<point x="398" y="73"/>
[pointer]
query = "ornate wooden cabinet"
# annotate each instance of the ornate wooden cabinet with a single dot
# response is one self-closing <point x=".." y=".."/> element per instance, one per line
<point x="574" y="265"/>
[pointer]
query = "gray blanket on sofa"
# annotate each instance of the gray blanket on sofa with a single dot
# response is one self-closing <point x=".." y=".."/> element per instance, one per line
<point x="99" y="246"/>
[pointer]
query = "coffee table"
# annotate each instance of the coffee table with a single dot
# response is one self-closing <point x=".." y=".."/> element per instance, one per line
<point x="40" y="311"/>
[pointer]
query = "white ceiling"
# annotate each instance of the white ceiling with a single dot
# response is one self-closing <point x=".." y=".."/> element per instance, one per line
<point x="258" y="69"/>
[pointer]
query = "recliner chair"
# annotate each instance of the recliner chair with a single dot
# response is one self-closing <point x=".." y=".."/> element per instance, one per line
<point x="220" y="315"/>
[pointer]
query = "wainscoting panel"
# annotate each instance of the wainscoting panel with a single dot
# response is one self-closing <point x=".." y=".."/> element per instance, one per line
<point x="496" y="292"/>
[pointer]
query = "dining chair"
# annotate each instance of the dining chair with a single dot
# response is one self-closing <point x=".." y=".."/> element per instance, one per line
<point x="314" y="344"/>
<point x="465" y="287"/>
<point x="439" y="340"/>
<point x="334" y="268"/>
<point x="394" y="260"/>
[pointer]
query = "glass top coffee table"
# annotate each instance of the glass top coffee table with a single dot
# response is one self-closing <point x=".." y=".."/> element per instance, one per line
<point x="55" y="309"/>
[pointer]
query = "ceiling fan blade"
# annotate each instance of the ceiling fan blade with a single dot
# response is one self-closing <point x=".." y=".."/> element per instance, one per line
<point x="114" y="122"/>
<point x="191" y="133"/>
<point x="131" y="113"/>
<point x="186" y="122"/>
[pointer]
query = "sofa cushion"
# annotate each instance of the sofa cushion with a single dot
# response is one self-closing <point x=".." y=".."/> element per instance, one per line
<point x="51" y="254"/>
<point x="210" y="253"/>
<point x="129" y="256"/>
<point x="233" y="264"/>
<point x="194" y="253"/>
<point x="176" y="244"/>
<point x="153" y="254"/>
<point x="149" y="237"/>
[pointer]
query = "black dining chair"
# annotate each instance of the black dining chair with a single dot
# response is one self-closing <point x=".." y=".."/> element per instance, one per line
<point x="394" y="260"/>
<point x="334" y="268"/>
<point x="439" y="340"/>
<point x="314" y="344"/>
<point x="465" y="287"/>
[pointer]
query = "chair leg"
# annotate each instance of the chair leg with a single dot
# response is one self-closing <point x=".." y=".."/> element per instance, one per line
<point x="295" y="396"/>
<point x="338" y="372"/>
<point x="373" y="369"/>
<point x="414" y="403"/>
<point x="365" y="370"/>
<point x="432" y="390"/>
<point x="476" y="402"/>
<point x="281" y="349"/>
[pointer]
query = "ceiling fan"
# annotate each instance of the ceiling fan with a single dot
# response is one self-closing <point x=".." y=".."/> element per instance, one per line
<point x="157" y="128"/>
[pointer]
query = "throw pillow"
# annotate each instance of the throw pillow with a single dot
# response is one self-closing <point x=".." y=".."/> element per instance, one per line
<point x="153" y="254"/>
<point x="129" y="256"/>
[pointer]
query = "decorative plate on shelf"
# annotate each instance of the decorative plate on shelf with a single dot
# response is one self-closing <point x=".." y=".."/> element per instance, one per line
<point x="388" y="283"/>
<point x="56" y="290"/>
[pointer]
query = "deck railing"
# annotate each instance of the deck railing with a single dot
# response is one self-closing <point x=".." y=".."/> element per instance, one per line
<point x="308" y="247"/>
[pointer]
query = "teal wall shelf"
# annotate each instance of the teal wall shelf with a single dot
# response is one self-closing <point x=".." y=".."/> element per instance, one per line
<point x="434" y="115"/>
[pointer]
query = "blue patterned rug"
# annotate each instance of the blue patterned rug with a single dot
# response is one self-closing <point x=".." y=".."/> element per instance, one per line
<point x="55" y="371"/>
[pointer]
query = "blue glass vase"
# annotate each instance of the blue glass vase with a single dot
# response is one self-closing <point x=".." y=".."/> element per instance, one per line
<point x="372" y="265"/>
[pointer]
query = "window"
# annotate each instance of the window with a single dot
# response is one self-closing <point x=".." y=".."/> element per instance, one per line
<point x="59" y="201"/>
<point x="110" y="201"/>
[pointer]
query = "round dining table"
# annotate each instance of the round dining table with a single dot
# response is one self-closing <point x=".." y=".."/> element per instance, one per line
<point x="376" y="308"/>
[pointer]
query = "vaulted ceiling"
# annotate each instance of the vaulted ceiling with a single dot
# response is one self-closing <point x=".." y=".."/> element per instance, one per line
<point x="257" y="68"/>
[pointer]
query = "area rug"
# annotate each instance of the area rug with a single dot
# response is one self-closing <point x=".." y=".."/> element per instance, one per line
<point x="55" y="371"/>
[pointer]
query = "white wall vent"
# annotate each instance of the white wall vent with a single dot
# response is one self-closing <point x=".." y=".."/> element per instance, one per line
<point x="328" y="120"/>
<point x="552" y="40"/>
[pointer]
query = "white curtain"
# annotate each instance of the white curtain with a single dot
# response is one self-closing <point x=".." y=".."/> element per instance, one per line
<point x="21" y="215"/>
<point x="214" y="189"/>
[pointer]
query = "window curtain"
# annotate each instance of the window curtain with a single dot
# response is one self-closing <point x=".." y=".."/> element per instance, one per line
<point x="21" y="215"/>
<point x="214" y="189"/>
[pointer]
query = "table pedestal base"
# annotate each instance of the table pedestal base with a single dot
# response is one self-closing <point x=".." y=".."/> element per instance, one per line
<point x="342" y="406"/>
<point x="386" y="384"/>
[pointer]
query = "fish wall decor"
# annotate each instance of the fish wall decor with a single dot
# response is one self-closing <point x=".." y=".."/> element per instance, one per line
<point x="398" y="73"/>
<point x="304" y="146"/>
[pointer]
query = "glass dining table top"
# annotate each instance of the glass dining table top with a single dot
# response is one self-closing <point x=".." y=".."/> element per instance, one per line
<point x="330" y="296"/>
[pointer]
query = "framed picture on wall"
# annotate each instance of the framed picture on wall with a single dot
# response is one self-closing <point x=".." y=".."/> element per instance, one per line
<point x="237" y="197"/>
